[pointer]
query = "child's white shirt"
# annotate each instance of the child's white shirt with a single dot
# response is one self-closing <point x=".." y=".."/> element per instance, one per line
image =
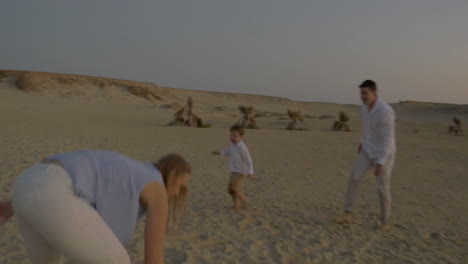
<point x="239" y="158"/>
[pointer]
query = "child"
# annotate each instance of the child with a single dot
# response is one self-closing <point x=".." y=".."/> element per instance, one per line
<point x="240" y="164"/>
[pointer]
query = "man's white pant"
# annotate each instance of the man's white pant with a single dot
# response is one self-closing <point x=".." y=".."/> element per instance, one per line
<point x="54" y="222"/>
<point x="361" y="167"/>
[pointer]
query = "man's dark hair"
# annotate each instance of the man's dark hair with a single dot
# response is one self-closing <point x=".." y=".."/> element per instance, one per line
<point x="238" y="128"/>
<point x="369" y="84"/>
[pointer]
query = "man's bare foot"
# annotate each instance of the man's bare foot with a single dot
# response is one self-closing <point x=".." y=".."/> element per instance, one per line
<point x="384" y="227"/>
<point x="346" y="219"/>
<point x="244" y="205"/>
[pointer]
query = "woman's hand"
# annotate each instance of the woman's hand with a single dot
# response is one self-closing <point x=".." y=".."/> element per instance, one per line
<point x="378" y="170"/>
<point x="6" y="211"/>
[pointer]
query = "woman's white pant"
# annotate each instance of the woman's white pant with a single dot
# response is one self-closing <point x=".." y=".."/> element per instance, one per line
<point x="56" y="224"/>
<point x="361" y="167"/>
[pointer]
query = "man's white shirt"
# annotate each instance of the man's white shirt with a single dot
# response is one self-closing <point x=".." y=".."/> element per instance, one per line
<point x="378" y="131"/>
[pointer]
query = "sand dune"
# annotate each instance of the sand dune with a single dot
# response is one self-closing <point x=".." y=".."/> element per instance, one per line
<point x="301" y="174"/>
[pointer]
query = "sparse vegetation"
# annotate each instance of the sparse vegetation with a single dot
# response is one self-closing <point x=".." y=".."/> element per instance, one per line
<point x="342" y="122"/>
<point x="144" y="92"/>
<point x="98" y="83"/>
<point x="296" y="118"/>
<point x="456" y="129"/>
<point x="248" y="119"/>
<point x="186" y="117"/>
<point x="68" y="81"/>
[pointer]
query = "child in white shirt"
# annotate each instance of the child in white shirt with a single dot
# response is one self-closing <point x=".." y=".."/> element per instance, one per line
<point x="240" y="164"/>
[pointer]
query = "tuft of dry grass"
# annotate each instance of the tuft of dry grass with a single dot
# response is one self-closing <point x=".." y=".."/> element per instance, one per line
<point x="343" y="117"/>
<point x="295" y="117"/>
<point x="457" y="128"/>
<point x="341" y="123"/>
<point x="248" y="119"/>
<point x="186" y="117"/>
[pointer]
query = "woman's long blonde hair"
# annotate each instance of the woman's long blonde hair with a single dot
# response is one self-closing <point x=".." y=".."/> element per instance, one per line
<point x="174" y="165"/>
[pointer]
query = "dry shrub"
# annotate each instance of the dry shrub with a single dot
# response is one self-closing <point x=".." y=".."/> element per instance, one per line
<point x="295" y="117"/>
<point x="186" y="117"/>
<point x="341" y="123"/>
<point x="456" y="129"/>
<point x="248" y="119"/>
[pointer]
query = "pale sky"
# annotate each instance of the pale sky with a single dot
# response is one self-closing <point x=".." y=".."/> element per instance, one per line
<point x="305" y="50"/>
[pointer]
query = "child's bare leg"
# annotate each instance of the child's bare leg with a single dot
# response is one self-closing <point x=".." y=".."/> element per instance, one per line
<point x="235" y="200"/>
<point x="237" y="204"/>
<point x="243" y="199"/>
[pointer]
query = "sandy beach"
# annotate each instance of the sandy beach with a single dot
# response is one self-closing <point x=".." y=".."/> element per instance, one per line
<point x="300" y="181"/>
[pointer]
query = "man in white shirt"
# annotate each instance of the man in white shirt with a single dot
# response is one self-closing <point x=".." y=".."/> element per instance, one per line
<point x="376" y="151"/>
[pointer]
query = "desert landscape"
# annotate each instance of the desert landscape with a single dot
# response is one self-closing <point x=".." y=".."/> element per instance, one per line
<point x="301" y="175"/>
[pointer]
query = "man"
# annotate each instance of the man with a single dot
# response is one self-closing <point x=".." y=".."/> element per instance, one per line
<point x="376" y="151"/>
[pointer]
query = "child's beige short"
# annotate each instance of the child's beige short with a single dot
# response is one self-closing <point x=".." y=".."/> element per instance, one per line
<point x="235" y="182"/>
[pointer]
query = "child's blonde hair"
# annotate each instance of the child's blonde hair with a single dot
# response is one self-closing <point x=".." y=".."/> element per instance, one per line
<point x="166" y="166"/>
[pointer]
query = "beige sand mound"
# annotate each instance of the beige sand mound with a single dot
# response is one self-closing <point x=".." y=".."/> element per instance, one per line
<point x="88" y="87"/>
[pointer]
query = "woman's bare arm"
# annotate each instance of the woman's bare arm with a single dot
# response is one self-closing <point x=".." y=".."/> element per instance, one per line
<point x="6" y="211"/>
<point x="154" y="200"/>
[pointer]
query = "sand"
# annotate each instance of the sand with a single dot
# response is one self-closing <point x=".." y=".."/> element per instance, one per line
<point x="301" y="180"/>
